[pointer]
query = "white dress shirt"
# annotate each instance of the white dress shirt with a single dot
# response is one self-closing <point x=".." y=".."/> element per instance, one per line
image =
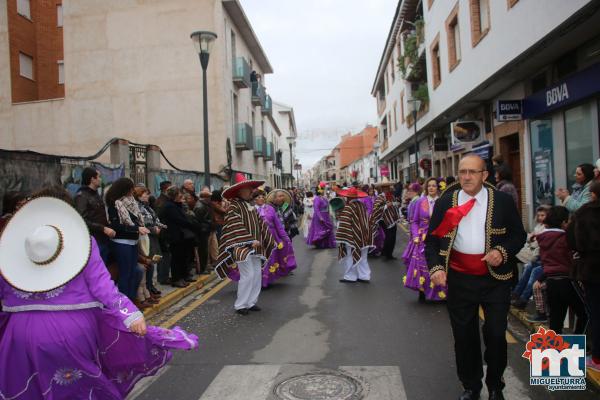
<point x="470" y="236"/>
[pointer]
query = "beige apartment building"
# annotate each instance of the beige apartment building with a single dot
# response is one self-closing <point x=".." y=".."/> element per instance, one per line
<point x="129" y="70"/>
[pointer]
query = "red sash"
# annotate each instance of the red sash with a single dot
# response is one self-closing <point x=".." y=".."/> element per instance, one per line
<point x="469" y="264"/>
<point x="452" y="218"/>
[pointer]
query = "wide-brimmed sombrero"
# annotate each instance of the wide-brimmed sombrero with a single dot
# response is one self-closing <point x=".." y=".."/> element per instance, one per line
<point x="273" y="193"/>
<point x="384" y="182"/>
<point x="352" y="193"/>
<point x="44" y="246"/>
<point x="240" y="182"/>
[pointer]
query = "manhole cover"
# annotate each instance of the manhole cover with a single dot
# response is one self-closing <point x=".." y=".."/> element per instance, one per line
<point x="320" y="386"/>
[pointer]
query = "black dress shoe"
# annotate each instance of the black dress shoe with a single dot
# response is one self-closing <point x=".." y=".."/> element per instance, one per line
<point x="189" y="279"/>
<point x="255" y="308"/>
<point x="469" y="395"/>
<point x="363" y="280"/>
<point x="346" y="281"/>
<point x="496" y="395"/>
<point x="242" y="311"/>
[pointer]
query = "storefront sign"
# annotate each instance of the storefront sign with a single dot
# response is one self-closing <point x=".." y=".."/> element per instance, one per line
<point x="509" y="110"/>
<point x="578" y="87"/>
<point x="483" y="150"/>
<point x="384" y="170"/>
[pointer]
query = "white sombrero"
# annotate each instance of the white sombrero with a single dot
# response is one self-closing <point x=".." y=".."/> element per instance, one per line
<point x="44" y="246"/>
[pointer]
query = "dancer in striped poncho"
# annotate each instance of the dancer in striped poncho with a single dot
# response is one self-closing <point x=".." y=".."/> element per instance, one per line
<point x="245" y="245"/>
<point x="355" y="235"/>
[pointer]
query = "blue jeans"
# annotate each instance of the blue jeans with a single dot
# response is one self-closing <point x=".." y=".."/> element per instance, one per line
<point x="105" y="250"/>
<point x="531" y="273"/>
<point x="129" y="275"/>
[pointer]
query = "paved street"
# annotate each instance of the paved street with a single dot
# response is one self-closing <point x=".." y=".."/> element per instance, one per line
<point x="389" y="345"/>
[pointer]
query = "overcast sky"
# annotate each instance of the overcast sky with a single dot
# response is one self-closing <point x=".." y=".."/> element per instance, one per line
<point x="325" y="55"/>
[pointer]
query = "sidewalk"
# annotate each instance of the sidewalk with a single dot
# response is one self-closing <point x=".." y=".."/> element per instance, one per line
<point x="521" y="315"/>
<point x="171" y="295"/>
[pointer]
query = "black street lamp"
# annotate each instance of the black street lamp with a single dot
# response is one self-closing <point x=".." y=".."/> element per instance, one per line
<point x="291" y="142"/>
<point x="203" y="41"/>
<point x="415" y="105"/>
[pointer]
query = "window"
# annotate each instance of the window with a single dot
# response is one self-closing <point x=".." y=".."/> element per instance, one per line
<point x="579" y="134"/>
<point x="453" y="35"/>
<point x="59" y="16"/>
<point x="26" y="66"/>
<point x="395" y="116"/>
<point x="436" y="69"/>
<point x="24" y="8"/>
<point x="480" y="20"/>
<point x="392" y="72"/>
<point x="511" y="3"/>
<point x="402" y="107"/>
<point x="61" y="72"/>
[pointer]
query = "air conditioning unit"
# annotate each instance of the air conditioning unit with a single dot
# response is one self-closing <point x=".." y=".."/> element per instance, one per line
<point x="465" y="132"/>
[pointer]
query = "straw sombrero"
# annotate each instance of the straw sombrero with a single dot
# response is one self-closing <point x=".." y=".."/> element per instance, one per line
<point x="240" y="183"/>
<point x="384" y="182"/>
<point x="352" y="193"/>
<point x="45" y="245"/>
<point x="273" y="193"/>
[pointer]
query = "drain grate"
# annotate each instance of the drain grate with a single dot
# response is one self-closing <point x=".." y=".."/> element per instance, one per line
<point x="322" y="385"/>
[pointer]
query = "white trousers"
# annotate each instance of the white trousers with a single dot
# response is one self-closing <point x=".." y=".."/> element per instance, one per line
<point x="250" y="282"/>
<point x="360" y="270"/>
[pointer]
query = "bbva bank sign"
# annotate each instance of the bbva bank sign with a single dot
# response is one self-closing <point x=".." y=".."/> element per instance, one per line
<point x="577" y="87"/>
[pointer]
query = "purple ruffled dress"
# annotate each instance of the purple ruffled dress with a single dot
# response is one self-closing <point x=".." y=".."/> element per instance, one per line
<point x="407" y="254"/>
<point x="74" y="343"/>
<point x="417" y="272"/>
<point x="321" y="233"/>
<point x="379" y="240"/>
<point x="282" y="260"/>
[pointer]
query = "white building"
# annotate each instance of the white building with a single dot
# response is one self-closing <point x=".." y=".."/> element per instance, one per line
<point x="131" y="71"/>
<point x="284" y="117"/>
<point x="477" y="52"/>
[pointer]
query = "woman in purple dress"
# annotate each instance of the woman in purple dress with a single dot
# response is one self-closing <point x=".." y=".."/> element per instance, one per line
<point x="321" y="233"/>
<point x="413" y="193"/>
<point x="282" y="260"/>
<point x="417" y="273"/>
<point x="65" y="330"/>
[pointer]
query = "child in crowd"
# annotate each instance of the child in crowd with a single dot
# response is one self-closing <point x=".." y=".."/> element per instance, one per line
<point x="556" y="259"/>
<point x="530" y="256"/>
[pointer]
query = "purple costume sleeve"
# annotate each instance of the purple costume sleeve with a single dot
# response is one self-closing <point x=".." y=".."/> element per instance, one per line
<point x="104" y="290"/>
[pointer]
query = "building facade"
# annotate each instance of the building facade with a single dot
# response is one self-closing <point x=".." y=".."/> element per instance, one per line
<point x="129" y="70"/>
<point x="478" y="60"/>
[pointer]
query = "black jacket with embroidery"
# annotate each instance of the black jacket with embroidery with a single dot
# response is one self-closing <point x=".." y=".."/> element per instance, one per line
<point x="503" y="231"/>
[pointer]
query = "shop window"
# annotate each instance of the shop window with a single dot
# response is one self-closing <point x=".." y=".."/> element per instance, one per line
<point x="578" y="139"/>
<point x="543" y="162"/>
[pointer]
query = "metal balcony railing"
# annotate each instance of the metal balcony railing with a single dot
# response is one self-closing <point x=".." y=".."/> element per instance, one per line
<point x="260" y="146"/>
<point x="241" y="72"/>
<point x="244" y="138"/>
<point x="259" y="94"/>
<point x="270" y="151"/>
<point x="268" y="106"/>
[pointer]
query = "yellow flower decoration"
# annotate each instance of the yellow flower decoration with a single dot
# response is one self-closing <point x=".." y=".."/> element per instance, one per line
<point x="424" y="236"/>
<point x="415" y="273"/>
<point x="234" y="266"/>
<point x="442" y="295"/>
<point x="442" y="185"/>
<point x="274" y="267"/>
<point x="280" y="245"/>
<point x="416" y="239"/>
<point x="421" y="280"/>
<point x="431" y="285"/>
<point x="404" y="280"/>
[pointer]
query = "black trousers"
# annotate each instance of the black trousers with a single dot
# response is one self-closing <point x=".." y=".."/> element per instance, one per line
<point x="203" y="251"/>
<point x="561" y="295"/>
<point x="592" y="299"/>
<point x="389" y="242"/>
<point x="465" y="294"/>
<point x="181" y="255"/>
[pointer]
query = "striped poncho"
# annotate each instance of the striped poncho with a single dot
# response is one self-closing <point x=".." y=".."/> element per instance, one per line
<point x="389" y="215"/>
<point x="242" y="227"/>
<point x="356" y="229"/>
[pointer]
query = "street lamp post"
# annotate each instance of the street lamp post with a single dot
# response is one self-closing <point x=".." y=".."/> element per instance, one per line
<point x="415" y="105"/>
<point x="203" y="41"/>
<point x="291" y="142"/>
<point x="376" y="148"/>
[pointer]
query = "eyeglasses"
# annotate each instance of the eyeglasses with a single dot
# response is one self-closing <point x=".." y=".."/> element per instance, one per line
<point x="470" y="172"/>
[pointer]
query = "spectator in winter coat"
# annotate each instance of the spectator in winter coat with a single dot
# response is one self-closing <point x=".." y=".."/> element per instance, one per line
<point x="505" y="184"/>
<point x="556" y="258"/>
<point x="584" y="175"/>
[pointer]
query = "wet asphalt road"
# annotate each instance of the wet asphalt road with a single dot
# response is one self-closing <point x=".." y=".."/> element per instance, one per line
<point x="377" y="333"/>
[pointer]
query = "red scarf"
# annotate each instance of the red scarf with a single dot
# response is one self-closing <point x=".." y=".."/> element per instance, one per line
<point x="452" y="218"/>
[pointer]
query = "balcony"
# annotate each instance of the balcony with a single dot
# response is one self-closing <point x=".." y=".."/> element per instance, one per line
<point x="258" y="94"/>
<point x="268" y="107"/>
<point x="241" y="73"/>
<point x="244" y="138"/>
<point x="260" y="146"/>
<point x="270" y="151"/>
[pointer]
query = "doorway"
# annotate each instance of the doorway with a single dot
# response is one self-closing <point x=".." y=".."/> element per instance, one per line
<point x="510" y="149"/>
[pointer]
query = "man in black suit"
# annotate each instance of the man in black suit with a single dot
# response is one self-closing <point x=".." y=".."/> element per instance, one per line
<point x="474" y="234"/>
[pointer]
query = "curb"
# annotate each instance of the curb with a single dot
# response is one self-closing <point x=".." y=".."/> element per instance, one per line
<point x="176" y="295"/>
<point x="521" y="315"/>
